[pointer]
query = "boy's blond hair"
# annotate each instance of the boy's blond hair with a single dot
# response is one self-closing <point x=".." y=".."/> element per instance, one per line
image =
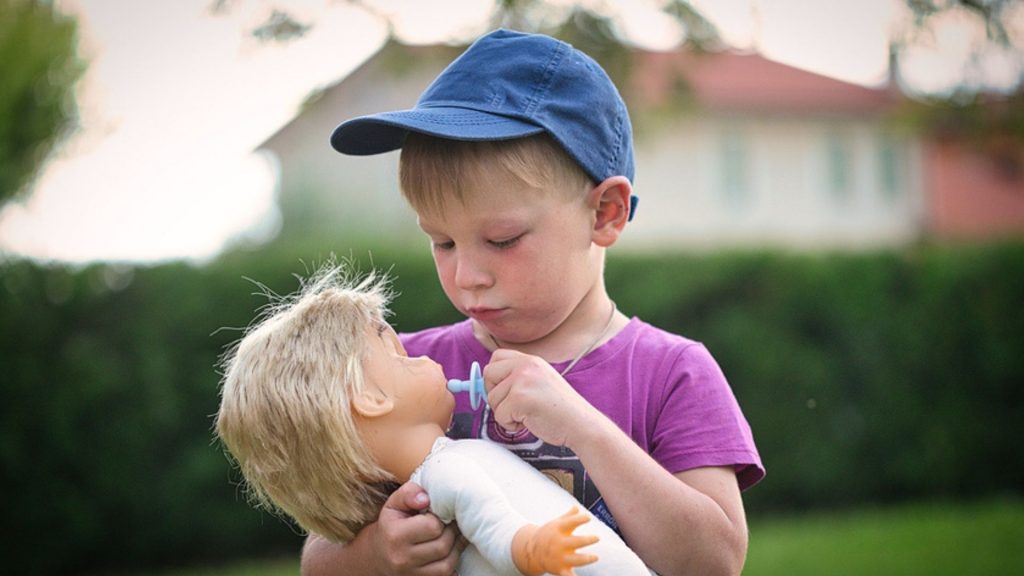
<point x="285" y="413"/>
<point x="433" y="170"/>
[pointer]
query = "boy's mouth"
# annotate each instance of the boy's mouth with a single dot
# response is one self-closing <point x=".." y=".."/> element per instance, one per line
<point x="484" y="314"/>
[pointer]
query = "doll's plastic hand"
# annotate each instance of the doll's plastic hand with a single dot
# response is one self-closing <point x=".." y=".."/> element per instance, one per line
<point x="551" y="548"/>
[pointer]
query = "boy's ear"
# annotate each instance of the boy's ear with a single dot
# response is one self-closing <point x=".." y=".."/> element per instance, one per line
<point x="610" y="202"/>
<point x="372" y="403"/>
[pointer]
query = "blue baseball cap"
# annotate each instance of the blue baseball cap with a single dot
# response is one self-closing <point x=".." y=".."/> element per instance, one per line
<point x="510" y="85"/>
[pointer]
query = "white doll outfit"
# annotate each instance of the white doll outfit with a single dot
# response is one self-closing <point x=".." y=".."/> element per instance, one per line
<point x="491" y="493"/>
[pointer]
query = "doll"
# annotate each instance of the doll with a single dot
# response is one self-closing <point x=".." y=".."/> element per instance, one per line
<point x="323" y="411"/>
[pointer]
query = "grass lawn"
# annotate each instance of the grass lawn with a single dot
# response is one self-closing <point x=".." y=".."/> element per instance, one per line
<point x="930" y="539"/>
<point x="278" y="567"/>
<point x="934" y="539"/>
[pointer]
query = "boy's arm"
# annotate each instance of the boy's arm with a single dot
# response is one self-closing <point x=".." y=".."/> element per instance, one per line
<point x="689" y="523"/>
<point x="401" y="542"/>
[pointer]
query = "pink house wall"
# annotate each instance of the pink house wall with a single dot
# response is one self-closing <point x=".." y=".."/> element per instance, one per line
<point x="972" y="194"/>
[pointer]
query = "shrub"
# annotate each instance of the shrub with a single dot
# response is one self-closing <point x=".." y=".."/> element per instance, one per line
<point x="866" y="377"/>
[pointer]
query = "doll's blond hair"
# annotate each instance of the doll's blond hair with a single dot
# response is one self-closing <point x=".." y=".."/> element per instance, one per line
<point x="285" y="414"/>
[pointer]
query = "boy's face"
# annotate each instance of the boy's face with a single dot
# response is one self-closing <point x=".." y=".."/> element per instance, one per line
<point x="518" y="261"/>
<point x="417" y="386"/>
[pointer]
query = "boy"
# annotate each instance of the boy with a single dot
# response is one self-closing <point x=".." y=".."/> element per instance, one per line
<point x="321" y="407"/>
<point x="518" y="161"/>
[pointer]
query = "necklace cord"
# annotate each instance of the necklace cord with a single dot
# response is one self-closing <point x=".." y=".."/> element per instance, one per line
<point x="604" y="332"/>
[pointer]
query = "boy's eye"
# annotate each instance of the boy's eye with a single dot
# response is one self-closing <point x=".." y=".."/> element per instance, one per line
<point x="446" y="245"/>
<point x="502" y="244"/>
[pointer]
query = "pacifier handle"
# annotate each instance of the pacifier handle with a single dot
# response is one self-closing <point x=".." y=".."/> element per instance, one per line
<point x="475" y="386"/>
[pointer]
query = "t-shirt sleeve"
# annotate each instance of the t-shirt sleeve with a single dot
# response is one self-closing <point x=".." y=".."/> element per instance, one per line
<point x="699" y="422"/>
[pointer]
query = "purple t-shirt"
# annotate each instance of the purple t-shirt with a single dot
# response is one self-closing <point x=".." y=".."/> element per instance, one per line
<point x="665" y="391"/>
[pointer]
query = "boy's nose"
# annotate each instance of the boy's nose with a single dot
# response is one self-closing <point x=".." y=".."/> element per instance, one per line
<point x="469" y="275"/>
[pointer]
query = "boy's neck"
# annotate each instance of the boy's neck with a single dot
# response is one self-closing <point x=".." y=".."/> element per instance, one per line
<point x="589" y="326"/>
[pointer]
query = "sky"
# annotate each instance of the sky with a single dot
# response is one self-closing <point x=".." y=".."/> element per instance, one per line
<point x="177" y="97"/>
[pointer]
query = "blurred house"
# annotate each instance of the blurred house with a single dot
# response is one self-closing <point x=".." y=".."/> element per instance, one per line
<point x="975" y="184"/>
<point x="732" y="149"/>
<point x="768" y="154"/>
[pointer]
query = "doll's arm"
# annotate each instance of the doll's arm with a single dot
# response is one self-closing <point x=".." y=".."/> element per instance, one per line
<point x="461" y="491"/>
<point x="551" y="548"/>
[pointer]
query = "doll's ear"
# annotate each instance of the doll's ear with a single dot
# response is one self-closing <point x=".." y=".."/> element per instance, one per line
<point x="372" y="403"/>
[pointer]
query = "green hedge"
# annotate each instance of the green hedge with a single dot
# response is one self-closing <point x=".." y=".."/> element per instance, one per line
<point x="867" y="378"/>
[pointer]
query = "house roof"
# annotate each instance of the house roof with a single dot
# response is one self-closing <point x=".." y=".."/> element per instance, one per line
<point x="746" y="81"/>
<point x="728" y="80"/>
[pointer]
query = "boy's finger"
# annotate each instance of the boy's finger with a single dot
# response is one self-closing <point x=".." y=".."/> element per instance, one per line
<point x="497" y="370"/>
<point x="496" y="391"/>
<point x="409" y="499"/>
<point x="460" y="541"/>
<point x="444" y="549"/>
<point x="502" y="354"/>
<point x="503" y="363"/>
<point x="503" y="414"/>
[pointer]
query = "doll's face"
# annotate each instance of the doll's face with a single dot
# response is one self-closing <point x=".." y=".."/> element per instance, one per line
<point x="416" y="386"/>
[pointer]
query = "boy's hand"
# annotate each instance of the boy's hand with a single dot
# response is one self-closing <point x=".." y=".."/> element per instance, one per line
<point x="525" y="391"/>
<point x="410" y="542"/>
<point x="551" y="548"/>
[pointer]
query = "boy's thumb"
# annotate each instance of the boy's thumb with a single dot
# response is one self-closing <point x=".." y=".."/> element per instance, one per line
<point x="409" y="499"/>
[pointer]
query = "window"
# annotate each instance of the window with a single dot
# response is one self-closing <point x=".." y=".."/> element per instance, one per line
<point x="734" y="180"/>
<point x="891" y="159"/>
<point x="839" y="172"/>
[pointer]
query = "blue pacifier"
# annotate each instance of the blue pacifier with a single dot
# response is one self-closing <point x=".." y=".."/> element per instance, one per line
<point x="475" y="386"/>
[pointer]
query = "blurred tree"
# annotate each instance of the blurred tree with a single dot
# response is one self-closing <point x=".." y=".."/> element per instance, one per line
<point x="600" y="29"/>
<point x="594" y="27"/>
<point x="992" y="29"/>
<point x="990" y="119"/>
<point x="995" y="15"/>
<point x="39" y="66"/>
<point x="597" y="23"/>
<point x="280" y="26"/>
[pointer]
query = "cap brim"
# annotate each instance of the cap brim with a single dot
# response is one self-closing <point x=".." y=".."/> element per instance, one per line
<point x="386" y="131"/>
